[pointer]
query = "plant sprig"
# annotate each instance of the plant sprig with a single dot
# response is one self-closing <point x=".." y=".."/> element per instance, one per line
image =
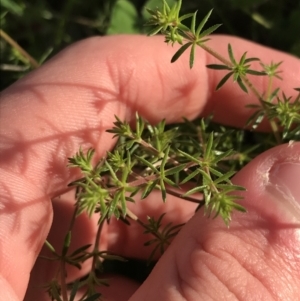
<point x="176" y="32"/>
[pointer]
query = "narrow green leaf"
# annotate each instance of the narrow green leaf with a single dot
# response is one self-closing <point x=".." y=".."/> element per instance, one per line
<point x="140" y="125"/>
<point x="150" y="242"/>
<point x="273" y="94"/>
<point x="104" y="213"/>
<point x="174" y="11"/>
<point x="80" y="250"/>
<point x="195" y="190"/>
<point x="123" y="203"/>
<point x="218" y="67"/>
<point x="255" y="119"/>
<point x="242" y="59"/>
<point x="166" y="7"/>
<point x="114" y="204"/>
<point x="190" y="176"/>
<point x="164" y="161"/>
<point x="222" y="156"/>
<point x="192" y="56"/>
<point x="238" y="207"/>
<point x="202" y="23"/>
<point x="186" y="16"/>
<point x="223" y="80"/>
<point x="251" y="59"/>
<point x="202" y="41"/>
<point x="231" y="187"/>
<point x="113" y="174"/>
<point x="134" y="191"/>
<point x="193" y="28"/>
<point x="215" y="172"/>
<point x="232" y="59"/>
<point x="179" y="52"/>
<point x="163" y="190"/>
<point x="170" y="182"/>
<point x="241" y="84"/>
<point x="225" y="177"/>
<point x="188" y="156"/>
<point x="155" y="31"/>
<point x="209" y="30"/>
<point x="150" y="11"/>
<point x="209" y="145"/>
<point x="206" y="177"/>
<point x="49" y="246"/>
<point x="150" y="186"/>
<point x="147" y="163"/>
<point x="254" y="72"/>
<point x="174" y="169"/>
<point x="172" y="230"/>
<point x="67" y="243"/>
<point x="183" y="28"/>
<point x="75" y="287"/>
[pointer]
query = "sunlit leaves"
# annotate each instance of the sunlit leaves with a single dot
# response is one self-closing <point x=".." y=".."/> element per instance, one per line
<point x="149" y="158"/>
<point x="194" y="37"/>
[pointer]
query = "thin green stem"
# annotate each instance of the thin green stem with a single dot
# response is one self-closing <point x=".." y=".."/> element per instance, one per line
<point x="270" y="85"/>
<point x="216" y="55"/>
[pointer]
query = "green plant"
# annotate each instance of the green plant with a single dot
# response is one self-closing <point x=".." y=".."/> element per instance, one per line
<point x="159" y="157"/>
<point x="164" y="157"/>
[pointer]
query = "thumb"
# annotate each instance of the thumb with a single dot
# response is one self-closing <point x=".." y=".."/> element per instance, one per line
<point x="257" y="258"/>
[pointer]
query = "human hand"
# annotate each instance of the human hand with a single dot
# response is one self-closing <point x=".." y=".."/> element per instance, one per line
<point x="70" y="101"/>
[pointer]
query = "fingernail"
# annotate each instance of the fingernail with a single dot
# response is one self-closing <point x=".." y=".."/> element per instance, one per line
<point x="284" y="180"/>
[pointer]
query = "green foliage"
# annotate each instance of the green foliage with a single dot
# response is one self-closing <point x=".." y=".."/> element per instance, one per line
<point x="238" y="69"/>
<point x="170" y="24"/>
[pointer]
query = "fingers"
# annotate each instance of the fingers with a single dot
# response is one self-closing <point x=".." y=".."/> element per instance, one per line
<point x="118" y="238"/>
<point x="26" y="216"/>
<point x="83" y="233"/>
<point x="257" y="258"/>
<point x="70" y="102"/>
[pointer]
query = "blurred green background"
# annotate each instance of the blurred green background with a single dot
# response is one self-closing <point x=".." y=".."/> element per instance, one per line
<point x="43" y="27"/>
